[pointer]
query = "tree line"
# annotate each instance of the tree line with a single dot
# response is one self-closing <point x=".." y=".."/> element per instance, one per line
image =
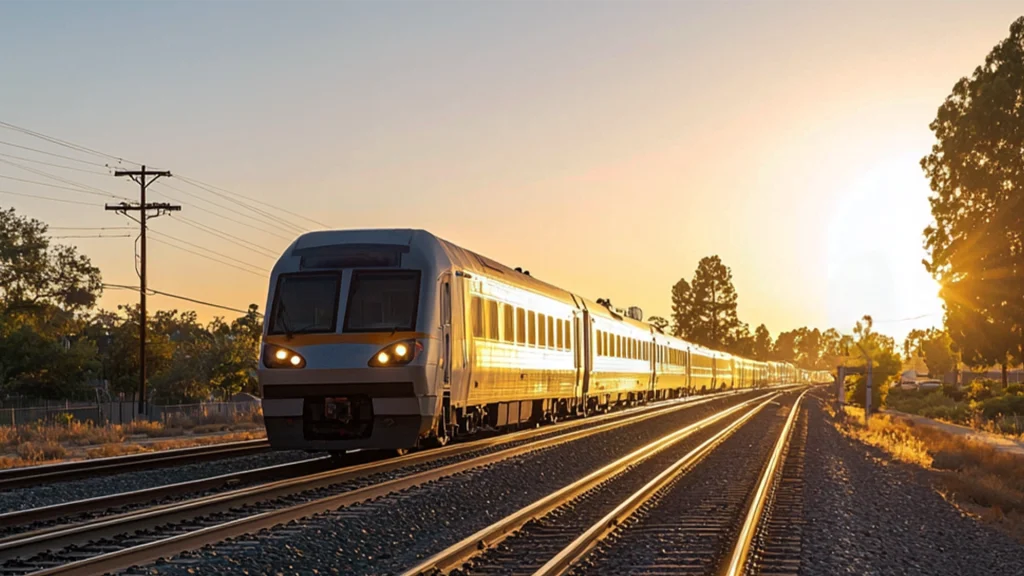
<point x="56" y="344"/>
<point x="704" y="312"/>
<point x="976" y="243"/>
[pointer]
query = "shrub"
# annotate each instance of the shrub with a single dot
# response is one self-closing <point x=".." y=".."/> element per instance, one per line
<point x="1015" y="389"/>
<point x="954" y="392"/>
<point x="983" y="389"/>
<point x="109" y="450"/>
<point x="956" y="413"/>
<point x="40" y="451"/>
<point x="63" y="419"/>
<point x="1002" y="405"/>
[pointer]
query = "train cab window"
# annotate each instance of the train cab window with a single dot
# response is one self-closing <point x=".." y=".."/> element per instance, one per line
<point x="307" y="303"/>
<point x="520" y="326"/>
<point x="381" y="301"/>
<point x="551" y="332"/>
<point x="559" y="336"/>
<point x="542" y="333"/>
<point x="492" y="319"/>
<point x="510" y="323"/>
<point x="531" y="334"/>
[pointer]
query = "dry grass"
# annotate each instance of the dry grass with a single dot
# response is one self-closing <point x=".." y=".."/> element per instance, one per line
<point x="40" y="451"/>
<point x="110" y="450"/>
<point x="986" y="482"/>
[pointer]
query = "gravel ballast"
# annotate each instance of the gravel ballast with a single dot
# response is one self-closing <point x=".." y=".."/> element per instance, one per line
<point x="395" y="532"/>
<point x="60" y="492"/>
<point x="866" y="517"/>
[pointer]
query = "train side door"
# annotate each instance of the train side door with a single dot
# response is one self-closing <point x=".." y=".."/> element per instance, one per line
<point x="459" y="338"/>
<point x="445" y="367"/>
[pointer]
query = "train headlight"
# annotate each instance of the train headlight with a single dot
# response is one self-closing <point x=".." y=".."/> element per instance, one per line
<point x="278" y="357"/>
<point x="397" y="354"/>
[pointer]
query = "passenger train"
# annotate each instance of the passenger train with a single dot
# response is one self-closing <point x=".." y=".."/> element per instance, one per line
<point x="393" y="339"/>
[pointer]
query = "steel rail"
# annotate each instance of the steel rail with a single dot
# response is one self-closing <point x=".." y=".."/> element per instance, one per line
<point x="489" y="537"/>
<point x="47" y="473"/>
<point x="745" y="539"/>
<point x="586" y="541"/>
<point x="61" y="537"/>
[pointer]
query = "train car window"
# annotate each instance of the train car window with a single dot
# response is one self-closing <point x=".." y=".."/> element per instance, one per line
<point x="600" y="343"/>
<point x="520" y="326"/>
<point x="542" y="333"/>
<point x="561" y="343"/>
<point x="510" y="322"/>
<point x="551" y="332"/>
<point x="492" y="319"/>
<point x="568" y="334"/>
<point x="618" y="347"/>
<point x="531" y="331"/>
<point x="634" y="348"/>
<point x="476" y="316"/>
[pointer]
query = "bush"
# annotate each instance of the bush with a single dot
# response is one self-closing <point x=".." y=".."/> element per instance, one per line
<point x="956" y="413"/>
<point x="1015" y="389"/>
<point x="954" y="392"/>
<point x="1002" y="405"/>
<point x="855" y="394"/>
<point x="984" y="389"/>
<point x="40" y="451"/>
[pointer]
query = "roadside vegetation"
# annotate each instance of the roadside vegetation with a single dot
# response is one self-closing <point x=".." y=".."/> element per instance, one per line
<point x="40" y="443"/>
<point x="984" y="405"/>
<point x="979" y="479"/>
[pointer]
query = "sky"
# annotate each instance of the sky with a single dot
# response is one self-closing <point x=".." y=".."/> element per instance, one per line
<point x="604" y="146"/>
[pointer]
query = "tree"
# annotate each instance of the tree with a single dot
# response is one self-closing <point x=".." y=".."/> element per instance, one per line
<point x="34" y="273"/>
<point x="658" y="322"/>
<point x="705" y="311"/>
<point x="808" y="347"/>
<point x="682" y="304"/>
<point x="938" y="354"/>
<point x="885" y="361"/>
<point x="976" y="173"/>
<point x="741" y="342"/>
<point x="762" y="349"/>
<point x="784" y="349"/>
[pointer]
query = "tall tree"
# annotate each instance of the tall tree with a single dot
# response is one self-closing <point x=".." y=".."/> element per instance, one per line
<point x="762" y="343"/>
<point x="741" y="342"/>
<point x="705" y="310"/>
<point x="784" y="349"/>
<point x="976" y="173"/>
<point x="938" y="354"/>
<point x="682" y="309"/>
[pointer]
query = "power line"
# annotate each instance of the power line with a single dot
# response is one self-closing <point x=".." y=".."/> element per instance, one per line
<point x="49" y="198"/>
<point x="213" y="190"/>
<point x="54" y="164"/>
<point x="201" y="255"/>
<point x="55" y="155"/>
<point x="63" y="143"/>
<point x="211" y="251"/>
<point x="228" y="237"/>
<point x="51" y="176"/>
<point x="186" y="298"/>
<point x="80" y="190"/>
<point x="89" y="227"/>
<point x="264" y="219"/>
<point x="228" y="218"/>
<point x="95" y="236"/>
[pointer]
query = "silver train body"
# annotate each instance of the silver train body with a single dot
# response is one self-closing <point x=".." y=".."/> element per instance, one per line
<point x="391" y="339"/>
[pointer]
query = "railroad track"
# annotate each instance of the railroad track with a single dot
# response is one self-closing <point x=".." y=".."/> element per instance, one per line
<point x="665" y="508"/>
<point x="136" y="537"/>
<point x="49" y="473"/>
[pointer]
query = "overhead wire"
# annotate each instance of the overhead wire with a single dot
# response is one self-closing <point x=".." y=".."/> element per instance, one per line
<point x="64" y="143"/>
<point x="151" y="291"/>
<point x="96" y="192"/>
<point x="49" y="198"/>
<point x="212" y="189"/>
<point x="94" y="236"/>
<point x="226" y="236"/>
<point x="251" y="268"/>
<point x="263" y="217"/>
<point x="222" y="216"/>
<point x="204" y="248"/>
<point x="52" y="154"/>
<point x="55" y="165"/>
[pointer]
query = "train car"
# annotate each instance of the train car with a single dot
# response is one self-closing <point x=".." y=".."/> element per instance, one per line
<point x="392" y="339"/>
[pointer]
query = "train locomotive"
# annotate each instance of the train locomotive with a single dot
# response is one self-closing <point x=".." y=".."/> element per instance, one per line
<point x="394" y="339"/>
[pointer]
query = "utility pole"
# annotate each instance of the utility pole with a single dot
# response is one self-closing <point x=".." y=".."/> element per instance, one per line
<point x="139" y="176"/>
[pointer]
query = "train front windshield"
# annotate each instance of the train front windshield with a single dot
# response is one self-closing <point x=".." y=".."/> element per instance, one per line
<point x="382" y="301"/>
<point x="306" y="303"/>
